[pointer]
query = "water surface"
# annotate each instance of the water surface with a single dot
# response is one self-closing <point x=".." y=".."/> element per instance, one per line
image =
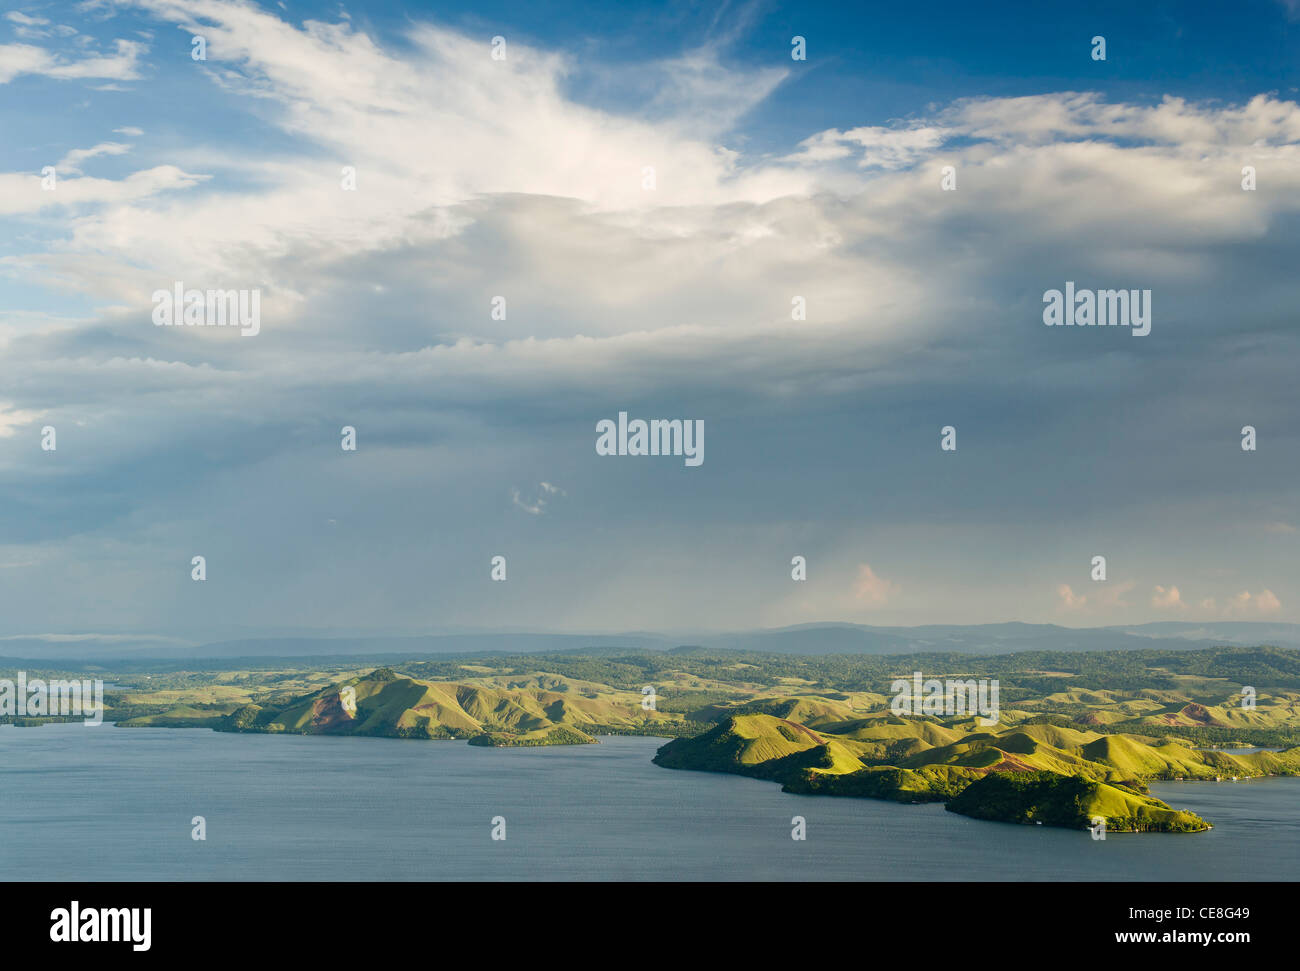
<point x="116" y="804"/>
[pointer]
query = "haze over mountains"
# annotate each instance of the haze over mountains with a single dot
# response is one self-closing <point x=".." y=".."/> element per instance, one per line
<point x="829" y="638"/>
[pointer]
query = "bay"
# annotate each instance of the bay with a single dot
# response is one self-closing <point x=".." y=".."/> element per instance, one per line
<point x="78" y="802"/>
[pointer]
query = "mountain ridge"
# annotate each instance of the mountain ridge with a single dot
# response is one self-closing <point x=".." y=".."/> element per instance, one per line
<point x="821" y="638"/>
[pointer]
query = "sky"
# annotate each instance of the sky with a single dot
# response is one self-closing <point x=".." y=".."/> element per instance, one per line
<point x="651" y="189"/>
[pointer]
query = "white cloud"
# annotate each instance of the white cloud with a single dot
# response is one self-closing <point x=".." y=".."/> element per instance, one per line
<point x="20" y="194"/>
<point x="537" y="505"/>
<point x="885" y="148"/>
<point x="71" y="162"/>
<point x="452" y="148"/>
<point x="460" y="156"/>
<point x="28" y="28"/>
<point x="12" y="419"/>
<point x="479" y="177"/>
<point x="19" y="59"/>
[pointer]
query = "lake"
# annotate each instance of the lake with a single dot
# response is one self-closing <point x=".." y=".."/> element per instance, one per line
<point x="82" y="803"/>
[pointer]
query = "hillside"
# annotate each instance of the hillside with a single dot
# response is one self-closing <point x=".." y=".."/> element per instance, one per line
<point x="1069" y="801"/>
<point x="386" y="704"/>
<point x="1046" y="773"/>
<point x="814" y="724"/>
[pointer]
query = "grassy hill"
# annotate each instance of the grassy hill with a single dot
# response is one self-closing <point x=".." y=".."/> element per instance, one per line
<point x="1070" y="801"/>
<point x="387" y="704"/>
<point x="756" y="745"/>
<point x="1040" y="773"/>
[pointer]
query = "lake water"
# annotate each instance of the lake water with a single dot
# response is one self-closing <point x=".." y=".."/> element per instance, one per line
<point x="116" y="804"/>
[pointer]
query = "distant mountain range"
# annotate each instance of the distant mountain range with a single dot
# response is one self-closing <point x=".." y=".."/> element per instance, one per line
<point x="829" y="638"/>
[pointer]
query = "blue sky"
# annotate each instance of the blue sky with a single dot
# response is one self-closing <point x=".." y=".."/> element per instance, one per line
<point x="524" y="178"/>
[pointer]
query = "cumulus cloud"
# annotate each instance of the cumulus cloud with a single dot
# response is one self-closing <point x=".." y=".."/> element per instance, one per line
<point x="479" y="178"/>
<point x="1165" y="598"/>
<point x="1069" y="599"/>
<point x="1264" y="602"/>
<point x="872" y="589"/>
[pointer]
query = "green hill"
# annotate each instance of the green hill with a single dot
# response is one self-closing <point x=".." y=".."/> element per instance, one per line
<point x="743" y="744"/>
<point x="388" y="704"/>
<point x="1070" y="801"/>
<point x="1041" y="772"/>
